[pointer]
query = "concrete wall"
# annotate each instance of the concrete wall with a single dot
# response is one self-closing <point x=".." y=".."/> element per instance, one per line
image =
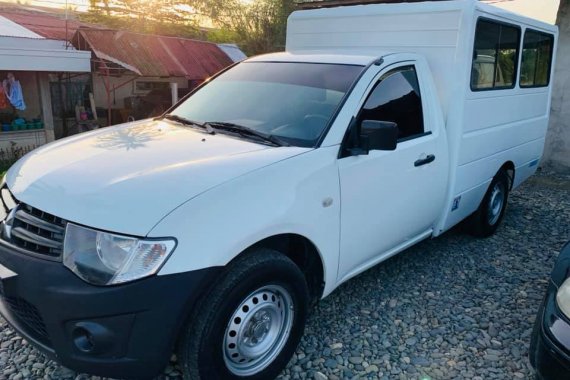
<point x="557" y="150"/>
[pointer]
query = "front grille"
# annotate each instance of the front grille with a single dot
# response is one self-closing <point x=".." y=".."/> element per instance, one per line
<point x="38" y="231"/>
<point x="31" y="229"/>
<point x="30" y="317"/>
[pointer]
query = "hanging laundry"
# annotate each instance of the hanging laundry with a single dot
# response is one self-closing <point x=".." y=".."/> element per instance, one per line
<point x="14" y="92"/>
<point x="3" y="99"/>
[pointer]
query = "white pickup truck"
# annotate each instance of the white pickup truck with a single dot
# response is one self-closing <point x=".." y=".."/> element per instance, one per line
<point x="210" y="230"/>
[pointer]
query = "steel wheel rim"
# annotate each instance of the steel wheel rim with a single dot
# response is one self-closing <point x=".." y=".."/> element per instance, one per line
<point x="258" y="330"/>
<point x="496" y="204"/>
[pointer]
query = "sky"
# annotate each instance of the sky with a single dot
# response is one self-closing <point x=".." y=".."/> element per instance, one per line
<point x="80" y="5"/>
<point x="544" y="10"/>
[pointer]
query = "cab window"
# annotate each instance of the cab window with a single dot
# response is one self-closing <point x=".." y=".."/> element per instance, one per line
<point x="397" y="98"/>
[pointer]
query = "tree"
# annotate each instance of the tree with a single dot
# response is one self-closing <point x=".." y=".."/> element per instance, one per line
<point x="170" y="17"/>
<point x="258" y="26"/>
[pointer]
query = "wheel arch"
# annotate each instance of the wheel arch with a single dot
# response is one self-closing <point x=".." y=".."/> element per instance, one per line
<point x="303" y="252"/>
<point x="509" y="168"/>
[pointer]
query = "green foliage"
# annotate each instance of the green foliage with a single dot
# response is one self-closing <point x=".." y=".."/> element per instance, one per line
<point x="222" y="36"/>
<point x="536" y="65"/>
<point x="259" y="26"/>
<point x="507" y="59"/>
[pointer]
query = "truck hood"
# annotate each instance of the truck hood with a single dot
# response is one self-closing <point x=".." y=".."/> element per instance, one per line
<point x="125" y="179"/>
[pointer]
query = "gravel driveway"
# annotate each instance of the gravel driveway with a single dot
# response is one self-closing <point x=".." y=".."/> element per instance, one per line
<point x="453" y="307"/>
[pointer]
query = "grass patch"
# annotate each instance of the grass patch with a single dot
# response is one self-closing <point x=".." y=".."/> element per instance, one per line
<point x="4" y="168"/>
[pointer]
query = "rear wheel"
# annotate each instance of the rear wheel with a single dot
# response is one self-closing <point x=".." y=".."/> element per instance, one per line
<point x="485" y="221"/>
<point x="250" y="324"/>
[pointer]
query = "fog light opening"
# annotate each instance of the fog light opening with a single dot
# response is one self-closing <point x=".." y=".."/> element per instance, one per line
<point x="83" y="340"/>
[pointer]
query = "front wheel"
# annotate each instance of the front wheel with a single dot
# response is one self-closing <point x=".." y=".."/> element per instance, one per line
<point x="485" y="221"/>
<point x="250" y="324"/>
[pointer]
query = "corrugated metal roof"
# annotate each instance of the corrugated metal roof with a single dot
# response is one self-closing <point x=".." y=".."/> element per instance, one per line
<point x="46" y="25"/>
<point x="146" y="55"/>
<point x="9" y="28"/>
<point x="310" y="4"/>
<point x="154" y="56"/>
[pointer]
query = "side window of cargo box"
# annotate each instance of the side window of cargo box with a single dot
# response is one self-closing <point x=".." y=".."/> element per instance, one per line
<point x="536" y="64"/>
<point x="397" y="98"/>
<point x="495" y="56"/>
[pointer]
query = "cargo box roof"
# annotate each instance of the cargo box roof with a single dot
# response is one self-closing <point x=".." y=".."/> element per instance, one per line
<point x="308" y="57"/>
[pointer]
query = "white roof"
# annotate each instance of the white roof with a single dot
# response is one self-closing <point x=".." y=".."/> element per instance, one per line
<point x="308" y="57"/>
<point x="23" y="50"/>
<point x="8" y="28"/>
<point x="415" y="8"/>
<point x="233" y="51"/>
<point x="35" y="54"/>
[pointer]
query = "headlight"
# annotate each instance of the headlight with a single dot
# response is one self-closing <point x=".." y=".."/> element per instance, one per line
<point x="563" y="298"/>
<point x="101" y="258"/>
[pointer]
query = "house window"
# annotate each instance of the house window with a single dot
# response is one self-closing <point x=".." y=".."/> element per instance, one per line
<point x="536" y="59"/>
<point x="495" y="56"/>
<point x="146" y="86"/>
<point x="67" y="94"/>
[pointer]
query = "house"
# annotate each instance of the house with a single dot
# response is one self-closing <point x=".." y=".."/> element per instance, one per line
<point x="131" y="75"/>
<point x="127" y="66"/>
<point x="26" y="61"/>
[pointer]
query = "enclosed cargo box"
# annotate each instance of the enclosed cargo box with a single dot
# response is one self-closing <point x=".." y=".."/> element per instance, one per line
<point x="492" y="69"/>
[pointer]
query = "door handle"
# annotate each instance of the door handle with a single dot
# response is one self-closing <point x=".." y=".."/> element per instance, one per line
<point x="424" y="161"/>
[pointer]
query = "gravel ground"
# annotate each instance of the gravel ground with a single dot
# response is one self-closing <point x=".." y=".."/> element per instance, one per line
<point x="453" y="307"/>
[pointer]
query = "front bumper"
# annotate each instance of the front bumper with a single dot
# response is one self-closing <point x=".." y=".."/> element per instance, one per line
<point x="550" y="345"/>
<point x="122" y="331"/>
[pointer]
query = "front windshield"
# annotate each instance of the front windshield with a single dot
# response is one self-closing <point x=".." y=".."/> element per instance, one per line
<point x="292" y="101"/>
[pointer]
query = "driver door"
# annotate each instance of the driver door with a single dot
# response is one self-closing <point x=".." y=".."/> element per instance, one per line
<point x="391" y="197"/>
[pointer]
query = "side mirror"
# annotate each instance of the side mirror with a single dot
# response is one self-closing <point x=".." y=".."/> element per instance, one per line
<point x="378" y="135"/>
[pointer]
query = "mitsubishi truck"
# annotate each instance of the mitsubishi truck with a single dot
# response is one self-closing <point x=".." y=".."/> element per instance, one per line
<point x="210" y="231"/>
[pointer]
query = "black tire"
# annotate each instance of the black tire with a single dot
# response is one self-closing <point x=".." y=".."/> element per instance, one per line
<point x="202" y="349"/>
<point x="484" y="222"/>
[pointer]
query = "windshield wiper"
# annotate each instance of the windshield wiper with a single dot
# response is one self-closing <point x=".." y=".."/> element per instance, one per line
<point x="246" y="132"/>
<point x="183" y="120"/>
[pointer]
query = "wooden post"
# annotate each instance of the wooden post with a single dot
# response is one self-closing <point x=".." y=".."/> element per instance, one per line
<point x="174" y="92"/>
<point x="45" y="102"/>
<point x="93" y="106"/>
